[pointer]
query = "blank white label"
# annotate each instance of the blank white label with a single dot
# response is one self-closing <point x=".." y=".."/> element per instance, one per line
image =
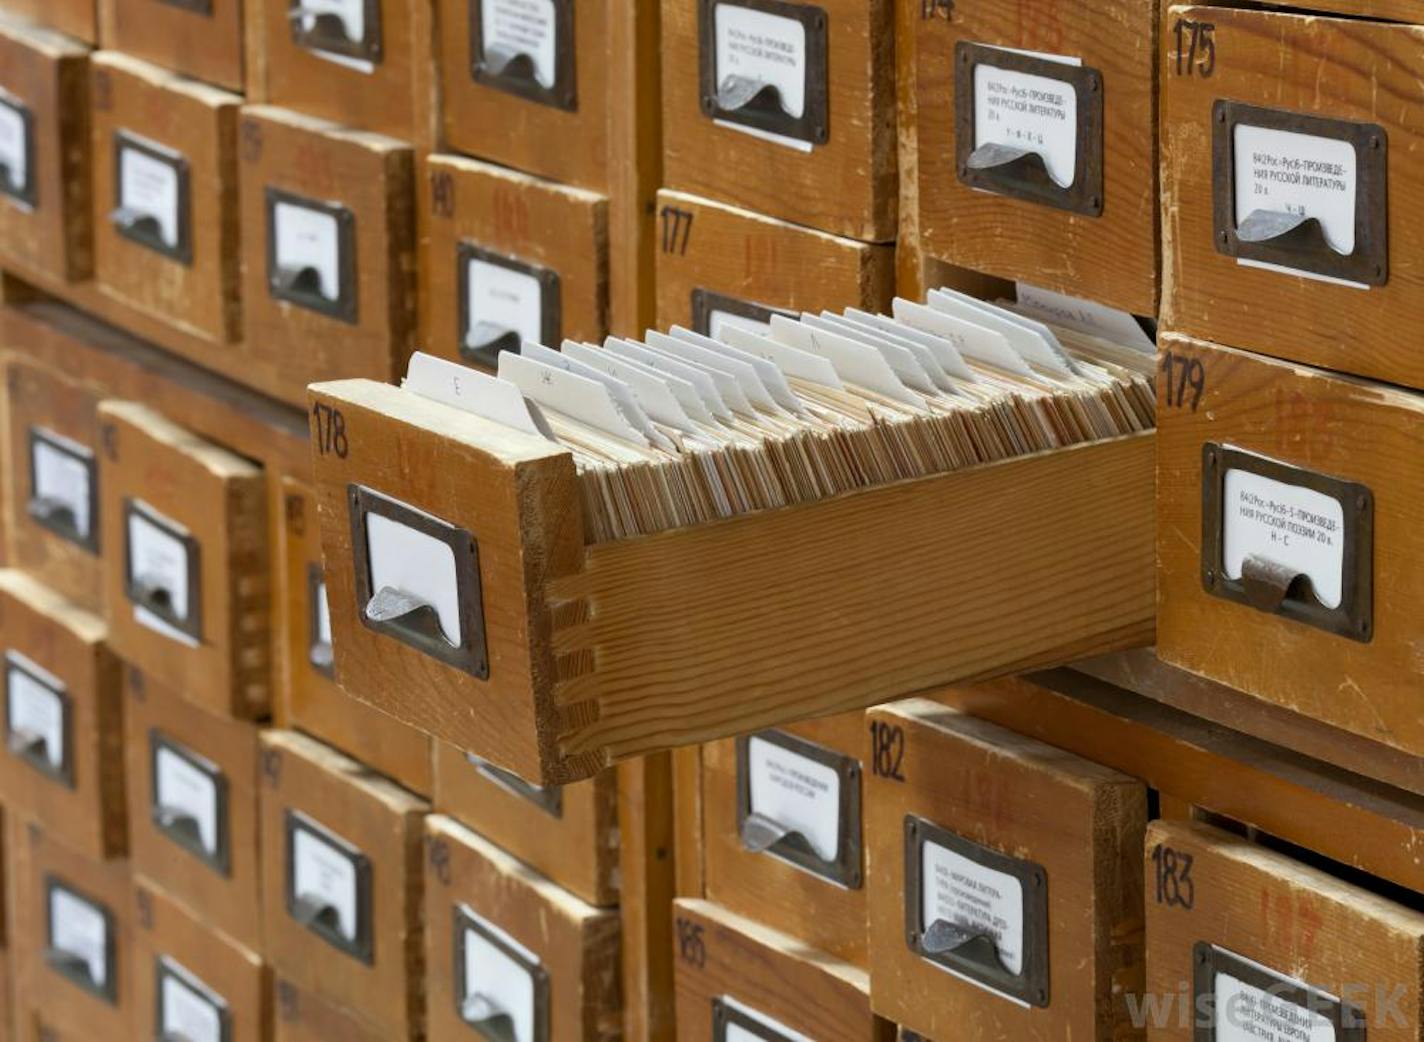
<point x="323" y="615"/>
<point x="326" y="875"/>
<point x="797" y="792"/>
<point x="505" y="984"/>
<point x="308" y="238"/>
<point x="505" y="299"/>
<point x="417" y="564"/>
<point x="719" y="321"/>
<point x="1245" y="1013"/>
<point x="1283" y="171"/>
<point x="187" y="1013"/>
<point x="182" y="786"/>
<point x="522" y="27"/>
<point x="764" y="48"/>
<point x="1287" y="524"/>
<point x="158" y="558"/>
<point x="79" y="928"/>
<point x="62" y="474"/>
<point x="974" y="897"/>
<point x="351" y="13"/>
<point x="14" y="146"/>
<point x="1030" y="112"/>
<point x="737" y="1033"/>
<point x="35" y="708"/>
<point x="149" y="186"/>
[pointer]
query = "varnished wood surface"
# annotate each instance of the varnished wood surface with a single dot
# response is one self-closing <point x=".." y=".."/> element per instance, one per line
<point x="76" y="18"/>
<point x="645" y="867"/>
<point x="203" y="44"/>
<point x="304" y="1016"/>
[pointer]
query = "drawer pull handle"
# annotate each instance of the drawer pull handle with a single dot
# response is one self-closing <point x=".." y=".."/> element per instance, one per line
<point x="943" y="937"/>
<point x="136" y="223"/>
<point x="1017" y="166"/>
<point x="510" y="64"/>
<point x="328" y="30"/>
<point x="487" y="339"/>
<point x="171" y="819"/>
<point x="154" y="595"/>
<point x="13" y="184"/>
<point x="174" y="1036"/>
<point x="29" y="745"/>
<point x="744" y="92"/>
<point x="313" y="911"/>
<point x="54" y="512"/>
<point x="1291" y="231"/>
<point x="73" y="966"/>
<point x="418" y="618"/>
<point x="321" y="655"/>
<point x="483" y="1014"/>
<point x="1268" y="583"/>
<point x="300" y="282"/>
<point x="760" y="833"/>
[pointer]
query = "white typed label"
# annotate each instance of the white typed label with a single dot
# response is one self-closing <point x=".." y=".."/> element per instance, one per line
<point x="720" y="321"/>
<point x="79" y="928"/>
<point x="1029" y="112"/>
<point x="1282" y="171"/>
<point x="324" y="874"/>
<point x="513" y="27"/>
<point x="350" y="13"/>
<point x="62" y="474"/>
<point x="500" y="299"/>
<point x="35" y="709"/>
<point x="796" y="792"/>
<point x="182" y="786"/>
<point x="14" y="145"/>
<point x="414" y="563"/>
<point x="187" y="1013"/>
<point x="496" y="982"/>
<point x="1245" y="1013"/>
<point x="149" y="187"/>
<point x="308" y="238"/>
<point x="757" y="49"/>
<point x="770" y="1026"/>
<point x="980" y="900"/>
<point x="158" y="558"/>
<point x="1286" y="524"/>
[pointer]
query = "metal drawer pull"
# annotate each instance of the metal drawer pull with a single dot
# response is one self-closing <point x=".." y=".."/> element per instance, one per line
<point x="943" y="937"/>
<point x="1290" y="231"/>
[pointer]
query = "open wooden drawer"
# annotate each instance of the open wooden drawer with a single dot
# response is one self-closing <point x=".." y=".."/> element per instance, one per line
<point x="572" y="656"/>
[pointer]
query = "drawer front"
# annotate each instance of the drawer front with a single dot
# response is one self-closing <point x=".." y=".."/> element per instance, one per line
<point x="1286" y="544"/>
<point x="199" y="38"/>
<point x="304" y="1015"/>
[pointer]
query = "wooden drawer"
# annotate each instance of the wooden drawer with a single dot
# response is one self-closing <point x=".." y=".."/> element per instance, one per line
<point x="1331" y="466"/>
<point x="186" y="576"/>
<point x="503" y="941"/>
<point x="506" y="256"/>
<point x="168" y="244"/>
<point x="1054" y="180"/>
<point x="75" y="18"/>
<point x="44" y="192"/>
<point x="304" y="1016"/>
<point x="190" y="980"/>
<point x="341" y="882"/>
<point x="1332" y="207"/>
<point x="367" y="64"/>
<point x="1003" y="884"/>
<point x="311" y="700"/>
<point x="73" y="971"/>
<point x="717" y="261"/>
<point x="737" y="978"/>
<point x="199" y="38"/>
<point x="832" y="164"/>
<point x="665" y="678"/>
<point x="192" y="801"/>
<point x="782" y="833"/>
<point x="54" y="500"/>
<point x="1247" y="938"/>
<point x="64" y="730"/>
<point x="329" y="256"/>
<point x="568" y="833"/>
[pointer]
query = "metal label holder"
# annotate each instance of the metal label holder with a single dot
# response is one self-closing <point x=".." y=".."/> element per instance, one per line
<point x="1022" y="173"/>
<point x="144" y="228"/>
<point x="760" y="835"/>
<point x="302" y="286"/>
<point x="1347" y="1021"/>
<point x="513" y="73"/>
<point x="319" y="652"/>
<point x="976" y="957"/>
<point x="1278" y="590"/>
<point x="549" y="799"/>
<point x="725" y="1015"/>
<point x="198" y="7"/>
<point x="70" y="966"/>
<point x="328" y="32"/>
<point x="58" y="517"/>
<point x="179" y="827"/>
<point x="1293" y="241"/>
<point x="494" y="1025"/>
<point x="25" y="746"/>
<point x="482" y="346"/>
<point x="155" y="600"/>
<point x="761" y="109"/>
<point x="705" y="302"/>
<point x="318" y="919"/>
<point x="25" y="193"/>
<point x="165" y="968"/>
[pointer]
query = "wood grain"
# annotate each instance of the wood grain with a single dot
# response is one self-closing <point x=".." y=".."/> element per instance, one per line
<point x="1111" y="258"/>
<point x="206" y="45"/>
<point x="76" y="18"/>
<point x="689" y="854"/>
<point x="1338" y="426"/>
<point x="1082" y="823"/>
<point x="645" y="867"/>
<point x="304" y="1016"/>
<point x="1348" y="69"/>
<point x="845" y="186"/>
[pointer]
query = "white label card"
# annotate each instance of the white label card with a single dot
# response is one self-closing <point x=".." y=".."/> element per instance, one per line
<point x="159" y="558"/>
<point x="308" y="238"/>
<point x="181" y="785"/>
<point x="35" y="708"/>
<point x="150" y="187"/>
<point x="513" y="27"/>
<point x="1284" y="171"/>
<point x="187" y="1013"/>
<point x="499" y="299"/>
<point x="415" y="563"/>
<point x="62" y="473"/>
<point x="974" y="897"/>
<point x="80" y="928"/>
<point x="323" y="614"/>
<point x="718" y="322"/>
<point x="758" y="48"/>
<point x="501" y="980"/>
<point x="14" y="144"/>
<point x="1287" y="524"/>
<point x="796" y="792"/>
<point x="325" y="874"/>
<point x="1246" y="1013"/>
<point x="1030" y="112"/>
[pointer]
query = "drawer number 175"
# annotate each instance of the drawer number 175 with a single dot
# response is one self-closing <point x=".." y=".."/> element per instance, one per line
<point x="1196" y="47"/>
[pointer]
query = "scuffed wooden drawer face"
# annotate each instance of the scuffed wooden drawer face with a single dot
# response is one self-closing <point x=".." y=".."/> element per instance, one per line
<point x="199" y="38"/>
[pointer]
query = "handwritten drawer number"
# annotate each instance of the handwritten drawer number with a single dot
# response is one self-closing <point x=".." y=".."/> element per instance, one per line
<point x="1175" y="886"/>
<point x="330" y="430"/>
